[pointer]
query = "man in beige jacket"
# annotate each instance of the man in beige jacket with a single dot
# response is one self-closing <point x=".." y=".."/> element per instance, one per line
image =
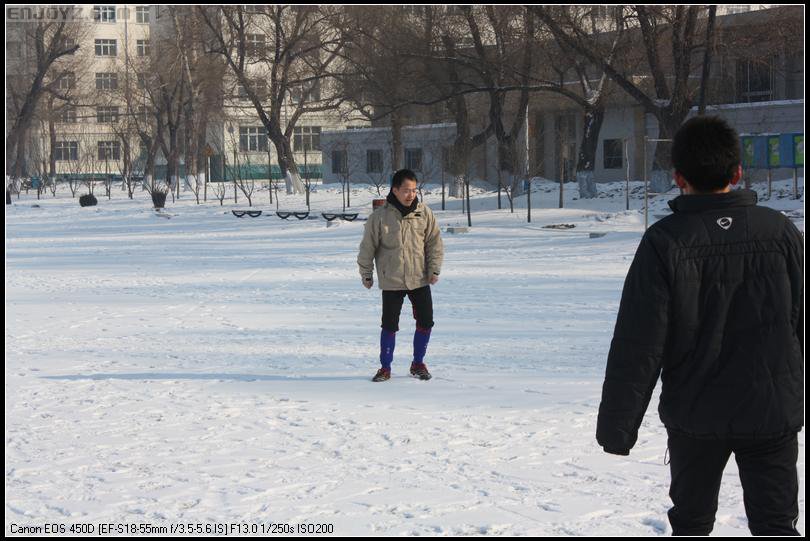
<point x="403" y="239"/>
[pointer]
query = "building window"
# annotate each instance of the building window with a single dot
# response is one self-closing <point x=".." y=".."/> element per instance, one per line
<point x="306" y="138"/>
<point x="107" y="115"/>
<point x="754" y="80"/>
<point x="142" y="14"/>
<point x="69" y="43"/>
<point x="252" y="139"/>
<point x="374" y="161"/>
<point x="66" y="151"/>
<point x="141" y="81"/>
<point x="306" y="93"/>
<point x="106" y="47"/>
<point x="104" y="14"/>
<point x="109" y="150"/>
<point x="68" y="115"/>
<point x="142" y="47"/>
<point x="340" y="162"/>
<point x="67" y="81"/>
<point x="446" y="159"/>
<point x="259" y="87"/>
<point x="106" y="81"/>
<point x="143" y="113"/>
<point x="612" y="151"/>
<point x="255" y="45"/>
<point x="413" y="159"/>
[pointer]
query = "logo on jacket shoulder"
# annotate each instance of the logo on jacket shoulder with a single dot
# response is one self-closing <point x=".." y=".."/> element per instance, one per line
<point x="725" y="222"/>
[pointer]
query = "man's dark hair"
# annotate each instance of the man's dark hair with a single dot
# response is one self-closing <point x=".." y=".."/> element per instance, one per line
<point x="401" y="175"/>
<point x="706" y="152"/>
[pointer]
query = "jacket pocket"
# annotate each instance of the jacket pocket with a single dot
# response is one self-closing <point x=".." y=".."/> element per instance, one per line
<point x="390" y="237"/>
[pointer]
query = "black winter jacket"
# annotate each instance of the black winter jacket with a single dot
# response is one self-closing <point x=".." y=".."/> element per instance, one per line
<point x="713" y="303"/>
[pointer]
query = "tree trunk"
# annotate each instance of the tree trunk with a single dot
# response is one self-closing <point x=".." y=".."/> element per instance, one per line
<point x="149" y="172"/>
<point x="396" y="141"/>
<point x="289" y="170"/>
<point x="668" y="124"/>
<point x="52" y="152"/>
<point x="17" y="135"/>
<point x="707" y="59"/>
<point x="500" y="186"/>
<point x="21" y="164"/>
<point x="469" y="210"/>
<point x="459" y="161"/>
<point x="127" y="171"/>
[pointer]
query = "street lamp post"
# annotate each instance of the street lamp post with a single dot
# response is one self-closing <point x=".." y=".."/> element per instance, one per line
<point x="233" y="142"/>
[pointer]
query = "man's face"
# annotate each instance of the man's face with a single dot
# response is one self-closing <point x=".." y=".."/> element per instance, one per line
<point x="406" y="192"/>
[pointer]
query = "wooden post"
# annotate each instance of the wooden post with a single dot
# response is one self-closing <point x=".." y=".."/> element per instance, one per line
<point x="795" y="183"/>
<point x="627" y="175"/>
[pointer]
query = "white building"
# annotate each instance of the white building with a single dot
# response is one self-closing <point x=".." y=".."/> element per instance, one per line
<point x="88" y="139"/>
<point x="106" y="74"/>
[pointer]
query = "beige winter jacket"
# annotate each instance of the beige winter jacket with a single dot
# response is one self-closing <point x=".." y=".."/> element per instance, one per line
<point x="407" y="251"/>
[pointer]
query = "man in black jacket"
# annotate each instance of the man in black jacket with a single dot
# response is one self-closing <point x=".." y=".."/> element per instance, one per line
<point x="713" y="302"/>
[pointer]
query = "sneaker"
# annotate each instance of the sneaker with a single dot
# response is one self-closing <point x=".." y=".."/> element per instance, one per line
<point x="419" y="370"/>
<point x="383" y="374"/>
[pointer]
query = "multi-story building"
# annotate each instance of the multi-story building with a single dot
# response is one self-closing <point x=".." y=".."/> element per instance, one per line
<point x="239" y="142"/>
<point x="106" y="82"/>
<point x="756" y="83"/>
<point x="78" y="123"/>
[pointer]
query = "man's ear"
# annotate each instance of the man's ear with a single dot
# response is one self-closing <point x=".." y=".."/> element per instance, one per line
<point x="737" y="176"/>
<point x="679" y="180"/>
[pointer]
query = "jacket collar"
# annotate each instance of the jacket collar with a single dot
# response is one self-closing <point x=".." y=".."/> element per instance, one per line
<point x="392" y="200"/>
<point x="714" y="201"/>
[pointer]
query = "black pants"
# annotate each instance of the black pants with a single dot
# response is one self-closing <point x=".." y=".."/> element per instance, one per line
<point x="767" y="473"/>
<point x="422" y="304"/>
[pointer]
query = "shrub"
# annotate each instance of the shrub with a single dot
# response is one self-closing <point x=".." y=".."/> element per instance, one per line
<point x="88" y="200"/>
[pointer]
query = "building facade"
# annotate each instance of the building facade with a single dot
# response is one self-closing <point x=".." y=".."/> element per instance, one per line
<point x="756" y="84"/>
<point x="109" y="86"/>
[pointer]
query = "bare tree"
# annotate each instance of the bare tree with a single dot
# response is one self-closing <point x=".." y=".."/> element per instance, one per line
<point x="513" y="31"/>
<point x="91" y="161"/>
<point x="668" y="36"/>
<point x="203" y="74"/>
<point x="243" y="174"/>
<point x="169" y="92"/>
<point x="432" y="158"/>
<point x="377" y="77"/>
<point x="307" y="175"/>
<point x="348" y="164"/>
<point x="376" y="172"/>
<point x="219" y="188"/>
<point x="605" y="30"/>
<point x="141" y="96"/>
<point x="294" y="49"/>
<point x="401" y="57"/>
<point x="124" y="129"/>
<point x="35" y="46"/>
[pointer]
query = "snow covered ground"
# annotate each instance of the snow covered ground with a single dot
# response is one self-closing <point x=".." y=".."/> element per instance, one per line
<point x="205" y="369"/>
